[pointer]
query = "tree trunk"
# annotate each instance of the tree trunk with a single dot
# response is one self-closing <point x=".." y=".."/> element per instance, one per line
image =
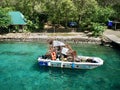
<point x="66" y="19"/>
<point x="79" y="21"/>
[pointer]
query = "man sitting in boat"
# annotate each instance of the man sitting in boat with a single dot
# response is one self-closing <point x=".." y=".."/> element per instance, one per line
<point x="72" y="54"/>
<point x="58" y="50"/>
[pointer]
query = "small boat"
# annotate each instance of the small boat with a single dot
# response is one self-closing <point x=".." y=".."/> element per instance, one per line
<point x="64" y="57"/>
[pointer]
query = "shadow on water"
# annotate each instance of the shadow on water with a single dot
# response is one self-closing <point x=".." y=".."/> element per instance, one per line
<point x="115" y="86"/>
<point x="35" y="67"/>
<point x="115" y="46"/>
<point x="58" y="71"/>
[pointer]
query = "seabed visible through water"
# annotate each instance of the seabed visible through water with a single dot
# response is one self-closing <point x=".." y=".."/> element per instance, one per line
<point x="19" y="69"/>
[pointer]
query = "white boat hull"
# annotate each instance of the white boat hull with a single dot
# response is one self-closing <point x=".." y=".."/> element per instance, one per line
<point x="73" y="65"/>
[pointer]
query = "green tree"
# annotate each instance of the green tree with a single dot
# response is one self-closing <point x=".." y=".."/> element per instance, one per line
<point x="116" y="15"/>
<point x="84" y="8"/>
<point x="58" y="11"/>
<point x="4" y="18"/>
<point x="68" y="11"/>
<point x="102" y="14"/>
<point x="37" y="12"/>
<point x="107" y="3"/>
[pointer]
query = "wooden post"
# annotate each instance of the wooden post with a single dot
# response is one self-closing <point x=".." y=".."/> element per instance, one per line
<point x="115" y="25"/>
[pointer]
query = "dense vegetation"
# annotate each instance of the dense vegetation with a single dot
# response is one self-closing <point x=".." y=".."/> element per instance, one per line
<point x="88" y="14"/>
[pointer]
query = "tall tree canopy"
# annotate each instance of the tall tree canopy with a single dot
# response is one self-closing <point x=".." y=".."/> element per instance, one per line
<point x="37" y="12"/>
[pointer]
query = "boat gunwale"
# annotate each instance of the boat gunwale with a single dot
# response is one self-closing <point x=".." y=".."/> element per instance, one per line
<point x="67" y="62"/>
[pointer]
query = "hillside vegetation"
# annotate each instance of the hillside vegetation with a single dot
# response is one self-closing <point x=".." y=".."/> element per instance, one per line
<point x="91" y="15"/>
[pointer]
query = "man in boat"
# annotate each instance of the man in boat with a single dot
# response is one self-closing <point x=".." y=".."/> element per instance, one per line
<point x="71" y="53"/>
<point x="62" y="51"/>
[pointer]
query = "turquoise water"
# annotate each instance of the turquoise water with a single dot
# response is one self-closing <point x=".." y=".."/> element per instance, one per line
<point x="19" y="69"/>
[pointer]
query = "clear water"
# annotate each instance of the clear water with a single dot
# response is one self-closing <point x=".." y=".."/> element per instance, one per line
<point x="19" y="69"/>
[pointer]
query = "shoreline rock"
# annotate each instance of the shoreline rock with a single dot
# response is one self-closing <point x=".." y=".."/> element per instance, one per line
<point x="75" y="38"/>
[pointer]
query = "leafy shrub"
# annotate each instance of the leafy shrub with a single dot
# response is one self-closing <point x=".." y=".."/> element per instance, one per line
<point x="32" y="27"/>
<point x="97" y="29"/>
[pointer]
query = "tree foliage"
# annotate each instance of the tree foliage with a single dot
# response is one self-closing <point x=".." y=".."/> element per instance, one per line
<point x="38" y="12"/>
<point x="102" y="15"/>
<point x="84" y="8"/>
<point x="4" y="18"/>
<point x="107" y="3"/>
<point x="116" y="15"/>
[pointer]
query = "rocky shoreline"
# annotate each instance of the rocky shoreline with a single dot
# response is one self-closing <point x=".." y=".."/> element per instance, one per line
<point x="69" y="37"/>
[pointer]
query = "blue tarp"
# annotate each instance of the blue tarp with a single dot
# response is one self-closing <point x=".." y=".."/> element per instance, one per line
<point x="110" y="23"/>
<point x="72" y="24"/>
